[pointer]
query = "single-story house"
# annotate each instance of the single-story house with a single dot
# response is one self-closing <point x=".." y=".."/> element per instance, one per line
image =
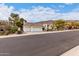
<point x="37" y="26"/>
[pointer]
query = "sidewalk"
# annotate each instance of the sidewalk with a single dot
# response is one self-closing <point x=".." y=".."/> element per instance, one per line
<point x="72" y="52"/>
<point x="28" y="33"/>
<point x="35" y="33"/>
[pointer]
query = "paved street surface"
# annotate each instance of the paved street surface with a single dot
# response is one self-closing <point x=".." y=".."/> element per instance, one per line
<point x="51" y="44"/>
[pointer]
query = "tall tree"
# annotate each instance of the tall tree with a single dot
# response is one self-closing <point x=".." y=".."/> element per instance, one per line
<point x="16" y="21"/>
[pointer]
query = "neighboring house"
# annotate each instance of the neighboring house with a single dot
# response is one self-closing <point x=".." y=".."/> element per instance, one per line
<point x="35" y="27"/>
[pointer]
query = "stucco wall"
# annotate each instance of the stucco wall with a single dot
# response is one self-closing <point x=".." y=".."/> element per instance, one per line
<point x="32" y="29"/>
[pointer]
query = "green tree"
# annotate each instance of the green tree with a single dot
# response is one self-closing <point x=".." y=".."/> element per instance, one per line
<point x="16" y="21"/>
<point x="76" y="25"/>
<point x="59" y="24"/>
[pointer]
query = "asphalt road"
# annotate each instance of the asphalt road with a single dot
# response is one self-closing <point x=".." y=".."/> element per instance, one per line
<point x="52" y="44"/>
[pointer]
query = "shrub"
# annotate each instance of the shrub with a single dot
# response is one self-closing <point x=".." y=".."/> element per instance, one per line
<point x="19" y="32"/>
<point x="13" y="29"/>
<point x="6" y="33"/>
<point x="2" y="32"/>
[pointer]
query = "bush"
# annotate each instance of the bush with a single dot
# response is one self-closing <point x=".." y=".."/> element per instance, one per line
<point x="6" y="33"/>
<point x="19" y="32"/>
<point x="2" y="32"/>
<point x="13" y="30"/>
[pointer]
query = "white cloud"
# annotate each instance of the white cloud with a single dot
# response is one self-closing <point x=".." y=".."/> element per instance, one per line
<point x="61" y="6"/>
<point x="69" y="3"/>
<point x="5" y="11"/>
<point x="71" y="16"/>
<point x="46" y="13"/>
<point x="37" y="13"/>
<point x="43" y="13"/>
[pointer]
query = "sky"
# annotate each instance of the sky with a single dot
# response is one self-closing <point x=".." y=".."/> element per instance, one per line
<point x="35" y="12"/>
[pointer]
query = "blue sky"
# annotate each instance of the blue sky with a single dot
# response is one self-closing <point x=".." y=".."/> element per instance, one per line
<point x="35" y="12"/>
<point x="66" y="7"/>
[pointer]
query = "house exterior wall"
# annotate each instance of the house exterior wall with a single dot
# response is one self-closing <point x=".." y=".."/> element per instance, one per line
<point x="32" y="29"/>
<point x="36" y="29"/>
<point x="26" y="29"/>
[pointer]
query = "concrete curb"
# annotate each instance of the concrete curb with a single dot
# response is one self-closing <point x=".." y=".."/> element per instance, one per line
<point x="72" y="52"/>
<point x="26" y="34"/>
<point x="34" y="33"/>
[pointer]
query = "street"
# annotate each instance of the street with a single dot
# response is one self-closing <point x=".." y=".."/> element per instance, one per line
<point x="51" y="44"/>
